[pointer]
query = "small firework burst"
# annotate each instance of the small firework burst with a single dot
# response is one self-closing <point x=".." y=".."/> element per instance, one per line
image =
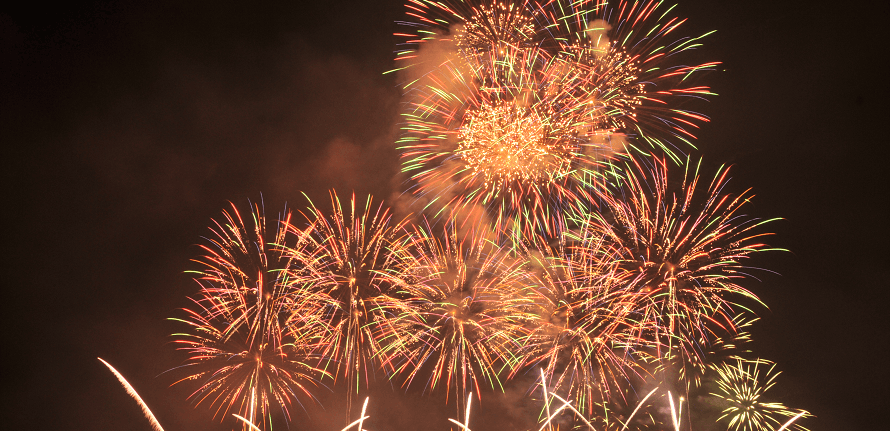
<point x="742" y="386"/>
<point x="492" y="28"/>
<point x="477" y="29"/>
<point x="630" y="56"/>
<point x="722" y="344"/>
<point x="612" y="86"/>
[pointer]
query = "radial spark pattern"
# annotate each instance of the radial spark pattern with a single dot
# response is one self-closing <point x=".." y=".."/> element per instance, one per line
<point x="247" y="349"/>
<point x="345" y="264"/>
<point x="469" y="309"/>
<point x="684" y="249"/>
<point x="580" y="332"/>
<point x="742" y="385"/>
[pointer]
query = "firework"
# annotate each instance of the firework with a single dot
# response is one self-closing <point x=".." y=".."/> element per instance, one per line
<point x="155" y="425"/>
<point x="468" y="315"/>
<point x="579" y="336"/>
<point x="478" y="30"/>
<point x="361" y="418"/>
<point x="245" y="345"/>
<point x="346" y="264"/>
<point x="493" y="28"/>
<point x="742" y="386"/>
<point x="720" y="346"/>
<point x="553" y="239"/>
<point x="629" y="54"/>
<point x="618" y="414"/>
<point x="508" y="136"/>
<point x="466" y="423"/>
<point x="684" y="251"/>
<point x="514" y="108"/>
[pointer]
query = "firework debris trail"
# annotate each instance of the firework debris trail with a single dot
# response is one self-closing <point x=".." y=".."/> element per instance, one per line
<point x="558" y="225"/>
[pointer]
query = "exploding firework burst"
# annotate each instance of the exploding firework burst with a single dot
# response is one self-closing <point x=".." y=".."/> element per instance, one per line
<point x="521" y="124"/>
<point x="510" y="138"/>
<point x="506" y="143"/>
<point x="468" y="314"/>
<point x="526" y="138"/>
<point x="629" y="54"/>
<point x="345" y="264"/>
<point x="684" y="252"/>
<point x="478" y="30"/>
<point x="613" y="87"/>
<point x="742" y="386"/>
<point x="492" y="28"/>
<point x="722" y="345"/>
<point x="580" y="334"/>
<point x="246" y="347"/>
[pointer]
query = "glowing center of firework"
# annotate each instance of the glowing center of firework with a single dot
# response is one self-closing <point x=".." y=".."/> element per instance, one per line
<point x="504" y="143"/>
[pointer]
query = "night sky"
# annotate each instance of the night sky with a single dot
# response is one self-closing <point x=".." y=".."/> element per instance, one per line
<point x="128" y="126"/>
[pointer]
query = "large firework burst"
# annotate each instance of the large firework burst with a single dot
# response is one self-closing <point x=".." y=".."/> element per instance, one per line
<point x="514" y="108"/>
<point x="468" y="314"/>
<point x="631" y="58"/>
<point x="509" y="136"/>
<point x="553" y="241"/>
<point x="345" y="267"/>
<point x="247" y="348"/>
<point x="684" y="250"/>
<point x="580" y="332"/>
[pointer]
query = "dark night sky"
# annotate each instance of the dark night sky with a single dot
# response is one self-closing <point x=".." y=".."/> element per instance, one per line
<point x="128" y="126"/>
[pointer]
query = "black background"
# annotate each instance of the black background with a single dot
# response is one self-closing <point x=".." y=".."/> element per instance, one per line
<point x="127" y="126"/>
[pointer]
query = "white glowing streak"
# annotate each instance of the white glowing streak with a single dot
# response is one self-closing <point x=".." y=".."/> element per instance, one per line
<point x="355" y="422"/>
<point x="638" y="408"/>
<point x="791" y="420"/>
<point x="574" y="410"/>
<point x="674" y="413"/>
<point x="466" y="425"/>
<point x="361" y="419"/>
<point x="547" y="422"/>
<point x="155" y="425"/>
<point x="546" y="398"/>
<point x="252" y="426"/>
<point x="467" y="416"/>
<point x="253" y="401"/>
<point x="459" y="424"/>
